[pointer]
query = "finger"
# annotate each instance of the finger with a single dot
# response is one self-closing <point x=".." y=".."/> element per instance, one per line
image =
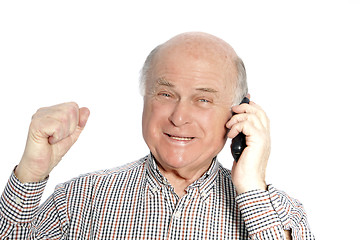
<point x="56" y="130"/>
<point x="75" y="115"/>
<point x="66" y="143"/>
<point x="69" y="137"/>
<point x="57" y="122"/>
<point x="261" y="114"/>
<point x="235" y="130"/>
<point x="84" y="114"/>
<point x="47" y="130"/>
<point x="253" y="109"/>
<point x="244" y="117"/>
<point x="245" y="127"/>
<point x="69" y="114"/>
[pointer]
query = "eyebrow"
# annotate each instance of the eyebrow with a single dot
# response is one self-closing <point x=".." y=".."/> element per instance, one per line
<point x="210" y="90"/>
<point x="163" y="82"/>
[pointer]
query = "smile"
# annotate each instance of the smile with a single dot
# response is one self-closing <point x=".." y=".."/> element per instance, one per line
<point x="178" y="138"/>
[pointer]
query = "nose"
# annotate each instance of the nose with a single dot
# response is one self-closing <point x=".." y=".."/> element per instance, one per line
<point x="181" y="114"/>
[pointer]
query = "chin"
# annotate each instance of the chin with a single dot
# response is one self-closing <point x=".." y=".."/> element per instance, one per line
<point x="182" y="160"/>
<point x="172" y="160"/>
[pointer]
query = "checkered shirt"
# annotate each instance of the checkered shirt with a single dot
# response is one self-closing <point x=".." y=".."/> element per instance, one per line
<point x="136" y="201"/>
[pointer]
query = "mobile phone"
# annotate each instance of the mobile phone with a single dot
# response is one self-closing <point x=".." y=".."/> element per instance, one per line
<point x="238" y="143"/>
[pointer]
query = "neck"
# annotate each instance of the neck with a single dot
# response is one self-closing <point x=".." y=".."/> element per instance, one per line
<point x="180" y="179"/>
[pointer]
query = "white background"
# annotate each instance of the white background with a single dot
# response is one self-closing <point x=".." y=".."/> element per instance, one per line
<point x="302" y="61"/>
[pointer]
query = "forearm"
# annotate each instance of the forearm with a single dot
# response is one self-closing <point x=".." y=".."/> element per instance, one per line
<point x="272" y="215"/>
<point x="19" y="209"/>
<point x="261" y="220"/>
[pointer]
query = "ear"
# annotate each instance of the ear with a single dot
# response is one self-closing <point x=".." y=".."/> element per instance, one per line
<point x="248" y="96"/>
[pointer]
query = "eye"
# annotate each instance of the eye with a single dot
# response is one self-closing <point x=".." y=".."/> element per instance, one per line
<point x="167" y="95"/>
<point x="204" y="99"/>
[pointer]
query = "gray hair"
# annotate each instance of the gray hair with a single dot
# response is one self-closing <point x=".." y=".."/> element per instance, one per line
<point x="144" y="72"/>
<point x="241" y="87"/>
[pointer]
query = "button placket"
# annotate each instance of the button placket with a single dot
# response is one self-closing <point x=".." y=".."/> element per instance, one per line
<point x="154" y="189"/>
<point x="17" y="200"/>
<point x="181" y="204"/>
<point x="177" y="214"/>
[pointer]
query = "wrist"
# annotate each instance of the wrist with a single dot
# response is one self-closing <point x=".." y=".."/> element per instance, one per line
<point x="25" y="176"/>
<point x="250" y="185"/>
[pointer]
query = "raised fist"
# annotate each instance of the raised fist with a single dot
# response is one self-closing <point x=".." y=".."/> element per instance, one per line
<point x="53" y="130"/>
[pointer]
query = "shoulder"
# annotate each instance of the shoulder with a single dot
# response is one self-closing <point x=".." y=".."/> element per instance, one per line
<point x="224" y="172"/>
<point x="103" y="176"/>
<point x="124" y="169"/>
<point x="224" y="178"/>
<point x="224" y="187"/>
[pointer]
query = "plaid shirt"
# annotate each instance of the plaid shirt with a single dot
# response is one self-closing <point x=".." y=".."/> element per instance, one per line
<point x="136" y="202"/>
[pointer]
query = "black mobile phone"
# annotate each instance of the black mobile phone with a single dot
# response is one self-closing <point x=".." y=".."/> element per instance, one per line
<point x="238" y="143"/>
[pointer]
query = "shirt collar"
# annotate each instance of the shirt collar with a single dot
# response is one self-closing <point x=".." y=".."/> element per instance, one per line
<point x="204" y="183"/>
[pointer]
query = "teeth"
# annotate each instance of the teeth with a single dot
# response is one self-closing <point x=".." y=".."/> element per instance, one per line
<point x="181" y="138"/>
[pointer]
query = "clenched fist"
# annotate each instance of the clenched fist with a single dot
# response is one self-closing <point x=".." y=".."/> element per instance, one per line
<point x="53" y="130"/>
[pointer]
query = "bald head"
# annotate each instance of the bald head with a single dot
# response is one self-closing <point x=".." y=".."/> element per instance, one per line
<point x="200" y="46"/>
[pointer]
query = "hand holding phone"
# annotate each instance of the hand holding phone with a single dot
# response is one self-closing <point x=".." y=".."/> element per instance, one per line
<point x="252" y="120"/>
<point x="238" y="143"/>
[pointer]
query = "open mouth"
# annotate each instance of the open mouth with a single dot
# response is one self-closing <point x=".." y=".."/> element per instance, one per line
<point x="178" y="138"/>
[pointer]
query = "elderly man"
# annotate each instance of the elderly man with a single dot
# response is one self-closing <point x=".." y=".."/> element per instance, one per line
<point x="192" y="85"/>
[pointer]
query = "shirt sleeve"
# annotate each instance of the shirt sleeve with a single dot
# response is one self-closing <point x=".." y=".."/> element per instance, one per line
<point x="20" y="214"/>
<point x="268" y="213"/>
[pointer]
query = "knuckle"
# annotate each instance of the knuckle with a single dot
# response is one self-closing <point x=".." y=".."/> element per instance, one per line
<point x="41" y="109"/>
<point x="62" y="118"/>
<point x="38" y="113"/>
<point x="33" y="117"/>
<point x="65" y="114"/>
<point x="34" y="124"/>
<point x="241" y="117"/>
<point x="72" y="113"/>
<point x="72" y="110"/>
<point x="73" y="105"/>
<point x="58" y="131"/>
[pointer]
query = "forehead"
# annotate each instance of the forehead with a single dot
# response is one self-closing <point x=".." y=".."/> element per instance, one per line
<point x="162" y="81"/>
<point x="195" y="67"/>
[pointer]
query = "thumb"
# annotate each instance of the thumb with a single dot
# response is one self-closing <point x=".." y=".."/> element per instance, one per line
<point x="84" y="114"/>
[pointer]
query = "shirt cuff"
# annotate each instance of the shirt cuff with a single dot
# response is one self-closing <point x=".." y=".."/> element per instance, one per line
<point x="259" y="214"/>
<point x="19" y="201"/>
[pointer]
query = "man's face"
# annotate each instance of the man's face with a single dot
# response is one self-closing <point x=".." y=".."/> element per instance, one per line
<point x="186" y="106"/>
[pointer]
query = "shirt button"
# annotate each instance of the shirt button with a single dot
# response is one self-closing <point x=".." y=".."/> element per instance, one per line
<point x="17" y="200"/>
<point x="177" y="214"/>
<point x="154" y="189"/>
